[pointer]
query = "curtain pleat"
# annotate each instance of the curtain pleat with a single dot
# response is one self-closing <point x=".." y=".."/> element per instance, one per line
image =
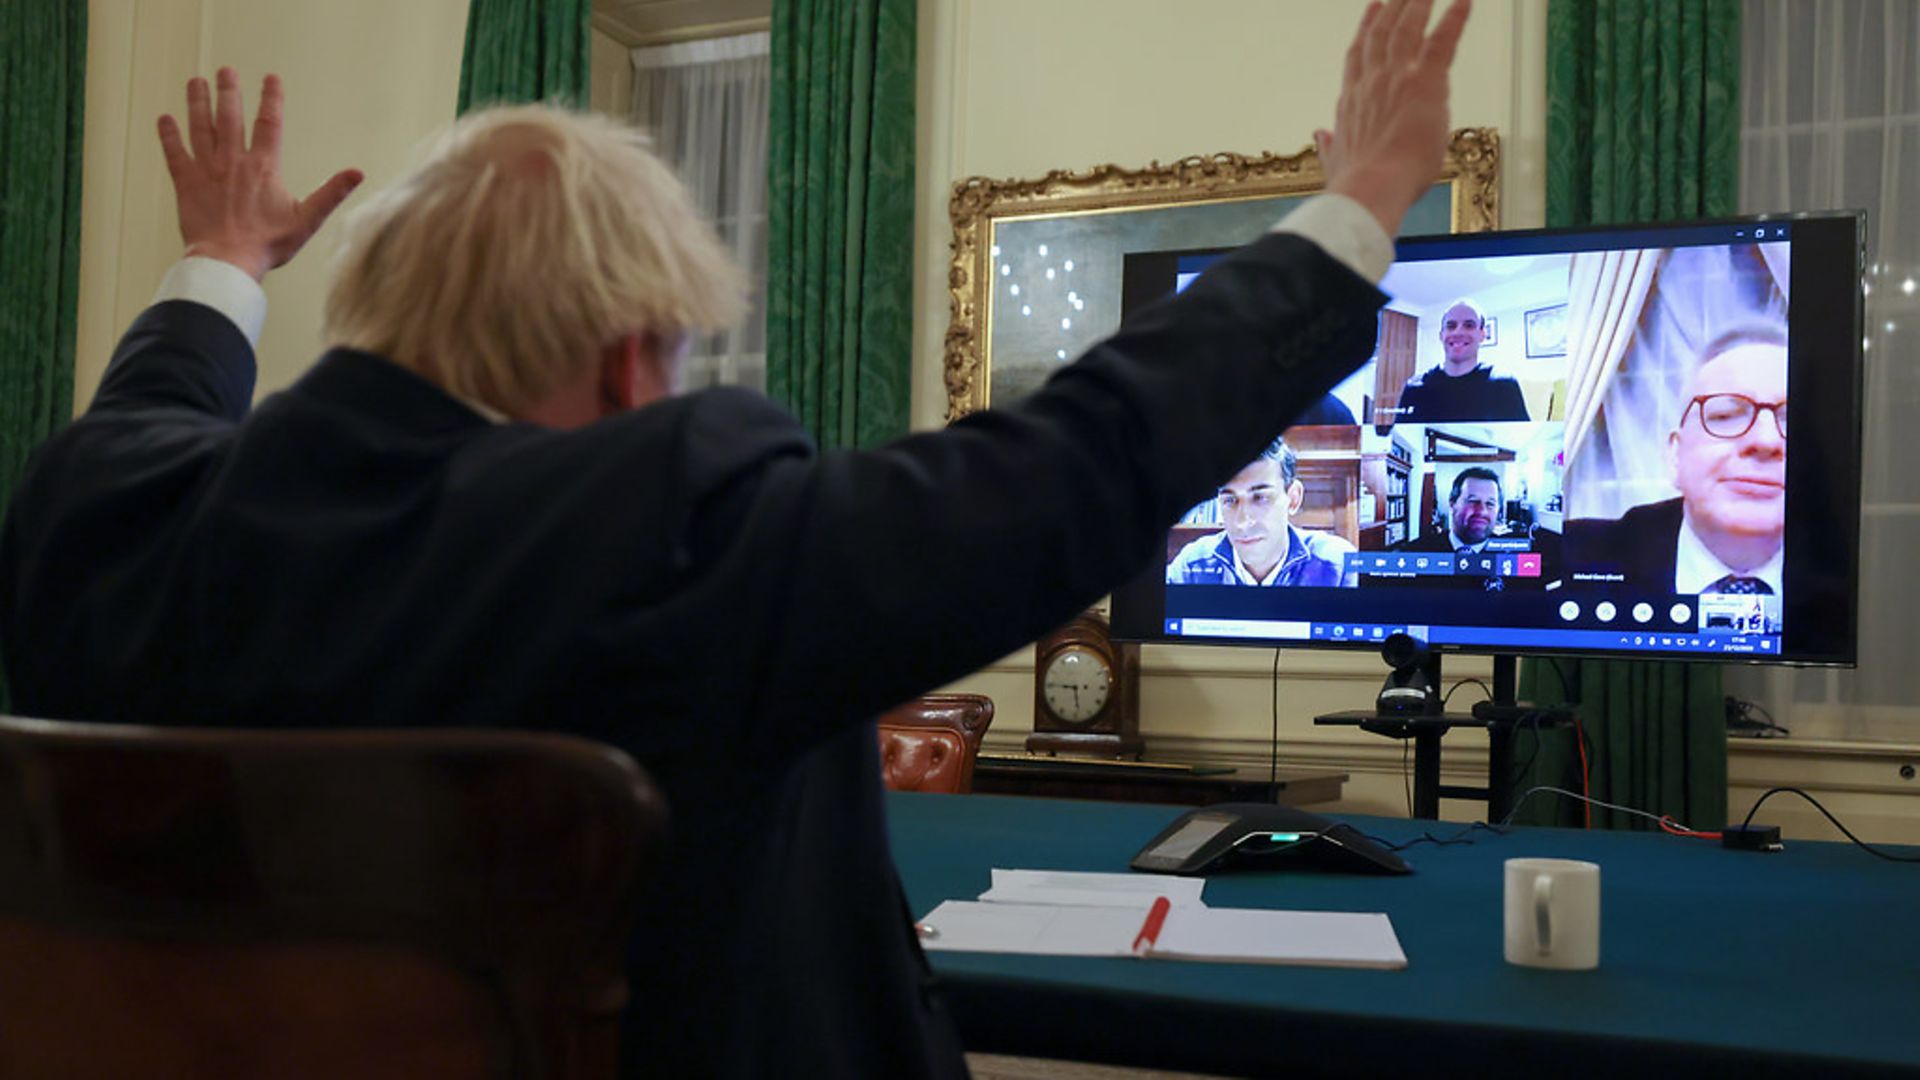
<point x="840" y="217"/>
<point x="525" y="50"/>
<point x="43" y="75"/>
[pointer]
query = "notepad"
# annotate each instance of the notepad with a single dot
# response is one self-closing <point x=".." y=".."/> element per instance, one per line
<point x="1078" y="888"/>
<point x="1193" y="932"/>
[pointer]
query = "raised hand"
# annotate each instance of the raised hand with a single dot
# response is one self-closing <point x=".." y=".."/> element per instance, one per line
<point x="1390" y="127"/>
<point x="233" y="205"/>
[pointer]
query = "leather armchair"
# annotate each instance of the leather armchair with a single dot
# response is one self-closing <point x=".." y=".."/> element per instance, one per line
<point x="929" y="743"/>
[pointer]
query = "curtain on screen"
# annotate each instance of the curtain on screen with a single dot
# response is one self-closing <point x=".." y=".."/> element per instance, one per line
<point x="525" y="50"/>
<point x="1832" y="119"/>
<point x="1643" y="125"/>
<point x="840" y="215"/>
<point x="43" y="73"/>
<point x="706" y="105"/>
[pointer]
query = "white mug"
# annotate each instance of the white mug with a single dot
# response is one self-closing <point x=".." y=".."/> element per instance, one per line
<point x="1553" y="914"/>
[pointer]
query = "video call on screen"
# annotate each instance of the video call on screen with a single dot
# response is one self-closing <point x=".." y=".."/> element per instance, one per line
<point x="1572" y="442"/>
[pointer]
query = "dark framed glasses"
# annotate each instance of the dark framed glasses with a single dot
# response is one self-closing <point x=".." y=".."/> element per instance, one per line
<point x="1729" y="416"/>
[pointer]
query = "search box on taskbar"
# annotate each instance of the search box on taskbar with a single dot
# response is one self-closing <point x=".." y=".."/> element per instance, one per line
<point x="1246" y="628"/>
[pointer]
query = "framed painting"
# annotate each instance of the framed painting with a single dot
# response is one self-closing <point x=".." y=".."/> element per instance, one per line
<point x="1035" y="277"/>
<point x="1547" y="331"/>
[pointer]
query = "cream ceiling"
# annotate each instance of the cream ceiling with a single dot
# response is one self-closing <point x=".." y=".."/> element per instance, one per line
<point x="649" y="22"/>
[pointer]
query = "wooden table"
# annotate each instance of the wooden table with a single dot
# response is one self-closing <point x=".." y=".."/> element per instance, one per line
<point x="1148" y="781"/>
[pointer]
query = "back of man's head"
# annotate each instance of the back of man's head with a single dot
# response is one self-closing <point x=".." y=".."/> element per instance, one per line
<point x="531" y="238"/>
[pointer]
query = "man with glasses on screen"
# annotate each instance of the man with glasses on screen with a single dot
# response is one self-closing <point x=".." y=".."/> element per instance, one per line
<point x="1728" y="458"/>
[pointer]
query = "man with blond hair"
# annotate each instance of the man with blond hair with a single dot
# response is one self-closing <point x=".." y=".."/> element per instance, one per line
<point x="485" y="506"/>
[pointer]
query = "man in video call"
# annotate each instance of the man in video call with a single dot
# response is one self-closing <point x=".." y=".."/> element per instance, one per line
<point x="1260" y="544"/>
<point x="1473" y="509"/>
<point x="1460" y="387"/>
<point x="1728" y="459"/>
<point x="487" y="505"/>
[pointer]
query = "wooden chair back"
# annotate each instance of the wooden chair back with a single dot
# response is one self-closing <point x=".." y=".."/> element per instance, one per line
<point x="293" y="904"/>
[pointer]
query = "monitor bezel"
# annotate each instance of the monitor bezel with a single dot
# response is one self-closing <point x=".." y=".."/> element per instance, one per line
<point x="1138" y="606"/>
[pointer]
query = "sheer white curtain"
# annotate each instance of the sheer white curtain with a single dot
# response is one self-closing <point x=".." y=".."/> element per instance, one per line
<point x="705" y="103"/>
<point x="1832" y="121"/>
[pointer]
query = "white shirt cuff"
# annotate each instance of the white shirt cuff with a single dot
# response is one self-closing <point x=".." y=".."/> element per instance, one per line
<point x="1345" y="230"/>
<point x="221" y="286"/>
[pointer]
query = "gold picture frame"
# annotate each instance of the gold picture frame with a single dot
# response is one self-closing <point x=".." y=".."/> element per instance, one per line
<point x="1215" y="201"/>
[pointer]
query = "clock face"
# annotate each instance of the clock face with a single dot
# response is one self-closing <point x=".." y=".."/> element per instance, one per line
<point x="1077" y="684"/>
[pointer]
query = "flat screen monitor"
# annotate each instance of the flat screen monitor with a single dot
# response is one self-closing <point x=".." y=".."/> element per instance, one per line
<point x="1566" y="441"/>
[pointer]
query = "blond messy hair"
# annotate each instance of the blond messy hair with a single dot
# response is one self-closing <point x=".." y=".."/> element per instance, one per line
<point x="530" y="238"/>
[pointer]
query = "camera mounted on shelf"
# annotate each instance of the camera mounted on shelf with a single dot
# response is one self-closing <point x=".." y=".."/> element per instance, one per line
<point x="1411" y="688"/>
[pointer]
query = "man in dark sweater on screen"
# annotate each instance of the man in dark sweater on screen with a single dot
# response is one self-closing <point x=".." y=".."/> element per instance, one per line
<point x="1460" y="387"/>
<point x="485" y="505"/>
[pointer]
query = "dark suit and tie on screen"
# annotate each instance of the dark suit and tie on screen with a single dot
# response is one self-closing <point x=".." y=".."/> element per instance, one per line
<point x="1728" y="458"/>
<point x="486" y="506"/>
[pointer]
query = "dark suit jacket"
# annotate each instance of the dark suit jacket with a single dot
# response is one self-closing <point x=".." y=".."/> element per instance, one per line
<point x="1640" y="544"/>
<point x="692" y="582"/>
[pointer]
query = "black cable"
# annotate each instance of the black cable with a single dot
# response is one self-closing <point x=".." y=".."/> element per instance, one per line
<point x="1273" y="741"/>
<point x="1520" y="770"/>
<point x="1439" y="841"/>
<point x="1746" y="709"/>
<point x="1484" y="689"/>
<point x="1754" y="706"/>
<point x="1566" y="692"/>
<point x="1868" y="848"/>
<point x="1406" y="774"/>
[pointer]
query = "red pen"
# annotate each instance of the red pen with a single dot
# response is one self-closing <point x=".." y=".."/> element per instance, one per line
<point x="1150" y="930"/>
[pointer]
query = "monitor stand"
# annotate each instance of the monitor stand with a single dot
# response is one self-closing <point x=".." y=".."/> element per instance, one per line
<point x="1501" y="718"/>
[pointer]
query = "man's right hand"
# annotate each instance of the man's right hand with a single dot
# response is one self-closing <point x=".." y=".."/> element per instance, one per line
<point x="1390" y="127"/>
<point x="233" y="205"/>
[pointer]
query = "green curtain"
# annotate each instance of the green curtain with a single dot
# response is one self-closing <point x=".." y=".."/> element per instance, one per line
<point x="840" y="217"/>
<point x="1643" y="124"/>
<point x="43" y="74"/>
<point x="525" y="50"/>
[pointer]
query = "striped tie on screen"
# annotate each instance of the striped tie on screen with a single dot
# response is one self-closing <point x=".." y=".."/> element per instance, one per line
<point x="1735" y="585"/>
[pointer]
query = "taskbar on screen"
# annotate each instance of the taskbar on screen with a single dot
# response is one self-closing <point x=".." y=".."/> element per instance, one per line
<point x="1490" y="637"/>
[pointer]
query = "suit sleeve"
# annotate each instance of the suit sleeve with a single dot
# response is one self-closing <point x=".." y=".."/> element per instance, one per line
<point x="909" y="566"/>
<point x="180" y="354"/>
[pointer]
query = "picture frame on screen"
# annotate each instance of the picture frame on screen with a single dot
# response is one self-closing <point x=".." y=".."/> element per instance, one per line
<point x="1547" y="331"/>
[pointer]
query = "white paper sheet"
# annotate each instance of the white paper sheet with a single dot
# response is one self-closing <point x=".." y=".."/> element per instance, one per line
<point x="1244" y="935"/>
<point x="1081" y="889"/>
<point x="1228" y="935"/>
<point x="1031" y="929"/>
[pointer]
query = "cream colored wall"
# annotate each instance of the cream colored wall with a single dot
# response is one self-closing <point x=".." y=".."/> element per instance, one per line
<point x="1013" y="89"/>
<point x="367" y="81"/>
<point x="612" y="76"/>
